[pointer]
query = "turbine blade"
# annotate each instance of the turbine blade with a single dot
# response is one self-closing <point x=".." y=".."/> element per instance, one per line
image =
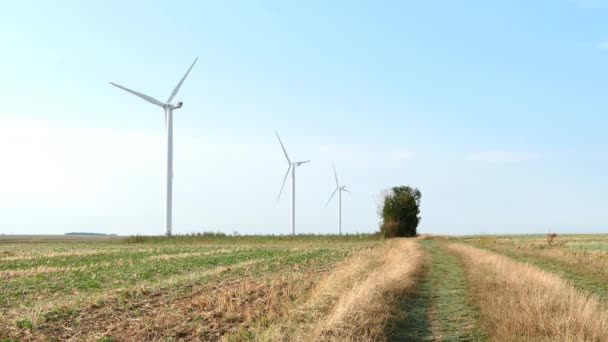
<point x="284" y="180"/>
<point x="335" y="174"/>
<point x="330" y="197"/>
<point x="304" y="162"/>
<point x="179" y="85"/>
<point x="345" y="190"/>
<point x="138" y="94"/>
<point x="283" y="147"/>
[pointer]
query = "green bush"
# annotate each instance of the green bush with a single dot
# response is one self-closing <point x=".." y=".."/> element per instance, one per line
<point x="399" y="210"/>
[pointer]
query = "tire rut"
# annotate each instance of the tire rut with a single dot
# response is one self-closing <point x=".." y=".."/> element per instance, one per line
<point x="440" y="309"/>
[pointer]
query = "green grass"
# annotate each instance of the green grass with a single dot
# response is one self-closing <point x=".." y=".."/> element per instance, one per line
<point x="440" y="309"/>
<point x="24" y="323"/>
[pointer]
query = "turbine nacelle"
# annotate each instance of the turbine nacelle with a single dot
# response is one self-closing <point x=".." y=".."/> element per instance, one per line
<point x="338" y="186"/>
<point x="174" y="106"/>
<point x="167" y="104"/>
<point x="294" y="164"/>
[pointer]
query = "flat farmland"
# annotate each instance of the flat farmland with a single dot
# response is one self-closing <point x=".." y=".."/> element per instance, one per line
<point x="579" y="258"/>
<point x="304" y="288"/>
<point x="208" y="289"/>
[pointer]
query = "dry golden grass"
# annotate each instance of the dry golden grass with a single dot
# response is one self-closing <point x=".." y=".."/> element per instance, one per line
<point x="209" y="313"/>
<point x="594" y="260"/>
<point x="52" y="254"/>
<point x="591" y="261"/>
<point x="39" y="255"/>
<point x="193" y="254"/>
<point x="362" y="312"/>
<point x="215" y="310"/>
<point x="49" y="269"/>
<point x="522" y="303"/>
<point x="231" y="304"/>
<point x="303" y="314"/>
<point x="356" y="301"/>
<point x="46" y="269"/>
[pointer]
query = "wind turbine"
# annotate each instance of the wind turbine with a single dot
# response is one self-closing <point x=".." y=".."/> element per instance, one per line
<point x="339" y="190"/>
<point x="168" y="108"/>
<point x="292" y="168"/>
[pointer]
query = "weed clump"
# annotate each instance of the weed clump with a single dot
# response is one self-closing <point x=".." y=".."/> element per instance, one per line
<point x="550" y="238"/>
<point x="24" y="323"/>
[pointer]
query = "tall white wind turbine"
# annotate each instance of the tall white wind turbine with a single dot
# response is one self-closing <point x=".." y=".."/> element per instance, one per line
<point x="292" y="168"/>
<point x="339" y="189"/>
<point x="168" y="108"/>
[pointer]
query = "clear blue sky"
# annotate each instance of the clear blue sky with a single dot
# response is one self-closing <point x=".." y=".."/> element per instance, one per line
<point x="496" y="110"/>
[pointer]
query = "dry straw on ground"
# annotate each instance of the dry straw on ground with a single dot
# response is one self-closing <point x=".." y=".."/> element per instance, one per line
<point x="356" y="301"/>
<point x="196" y="254"/>
<point x="591" y="262"/>
<point x="304" y="313"/>
<point x="362" y="312"/>
<point x="522" y="303"/>
<point x="153" y="291"/>
<point x="5" y="274"/>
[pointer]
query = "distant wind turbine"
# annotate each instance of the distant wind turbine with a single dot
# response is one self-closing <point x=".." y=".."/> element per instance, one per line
<point x="292" y="168"/>
<point x="339" y="190"/>
<point x="168" y="108"/>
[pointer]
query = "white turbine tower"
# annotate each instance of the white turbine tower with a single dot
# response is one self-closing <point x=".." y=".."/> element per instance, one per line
<point x="292" y="168"/>
<point x="339" y="190"/>
<point x="168" y="108"/>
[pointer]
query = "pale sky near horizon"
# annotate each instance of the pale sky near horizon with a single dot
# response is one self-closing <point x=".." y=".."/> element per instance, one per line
<point x="495" y="110"/>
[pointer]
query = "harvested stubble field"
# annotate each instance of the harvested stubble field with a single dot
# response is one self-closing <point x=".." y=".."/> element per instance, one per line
<point x="306" y="288"/>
